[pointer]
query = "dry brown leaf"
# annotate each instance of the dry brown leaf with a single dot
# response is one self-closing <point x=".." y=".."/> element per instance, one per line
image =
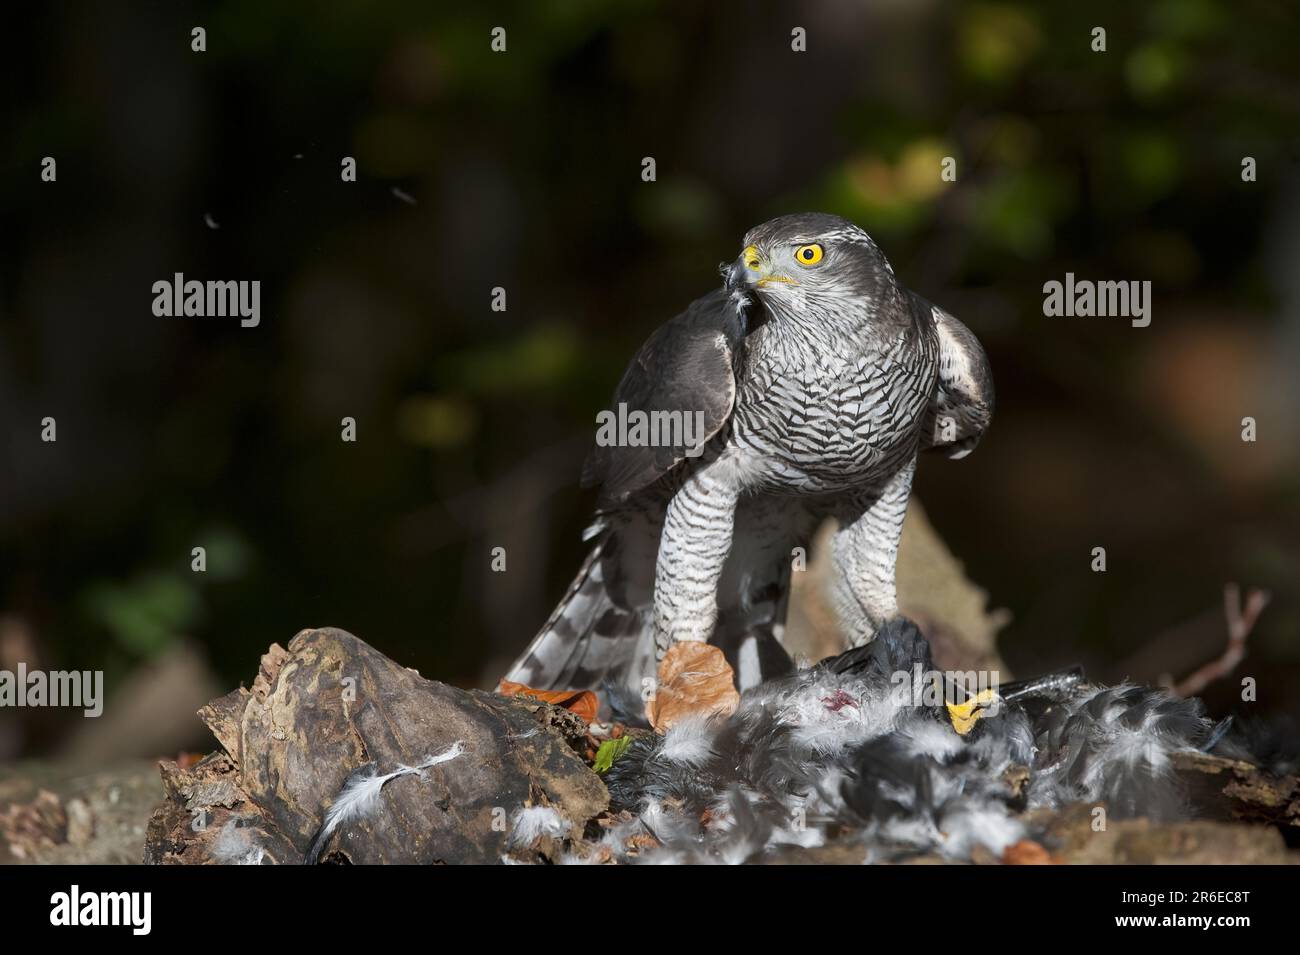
<point x="694" y="679"/>
<point x="1027" y="852"/>
<point x="582" y="702"/>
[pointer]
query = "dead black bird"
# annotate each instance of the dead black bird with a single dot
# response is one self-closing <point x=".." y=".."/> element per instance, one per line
<point x="857" y="747"/>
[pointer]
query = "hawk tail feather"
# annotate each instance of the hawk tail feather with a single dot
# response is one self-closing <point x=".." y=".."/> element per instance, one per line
<point x="590" y="641"/>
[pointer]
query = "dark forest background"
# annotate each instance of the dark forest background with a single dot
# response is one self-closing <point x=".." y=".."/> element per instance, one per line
<point x="523" y="170"/>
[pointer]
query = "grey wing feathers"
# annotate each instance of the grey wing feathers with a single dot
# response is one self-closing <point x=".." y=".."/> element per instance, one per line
<point x="686" y="366"/>
<point x="962" y="406"/>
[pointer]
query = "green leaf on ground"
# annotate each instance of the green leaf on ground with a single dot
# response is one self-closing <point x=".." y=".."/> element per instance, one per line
<point x="609" y="751"/>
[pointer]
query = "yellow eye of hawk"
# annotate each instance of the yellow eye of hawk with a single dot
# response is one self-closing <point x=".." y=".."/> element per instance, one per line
<point x="808" y="255"/>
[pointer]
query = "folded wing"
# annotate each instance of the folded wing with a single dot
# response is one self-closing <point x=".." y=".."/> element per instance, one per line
<point x="962" y="406"/>
<point x="685" y="368"/>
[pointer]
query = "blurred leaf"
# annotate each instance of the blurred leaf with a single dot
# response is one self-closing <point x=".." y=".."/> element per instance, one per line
<point x="1154" y="70"/>
<point x="917" y="172"/>
<point x="892" y="196"/>
<point x="1152" y="161"/>
<point x="146" y="614"/>
<point x="228" y="553"/>
<point x="547" y="355"/>
<point x="1009" y="140"/>
<point x="684" y="207"/>
<point x="1017" y="211"/>
<point x="431" y="421"/>
<point x="1185" y="18"/>
<point x="995" y="41"/>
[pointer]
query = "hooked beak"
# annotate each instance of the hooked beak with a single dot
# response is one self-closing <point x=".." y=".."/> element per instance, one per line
<point x="754" y="270"/>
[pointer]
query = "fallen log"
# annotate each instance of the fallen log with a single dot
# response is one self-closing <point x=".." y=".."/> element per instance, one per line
<point x="330" y="709"/>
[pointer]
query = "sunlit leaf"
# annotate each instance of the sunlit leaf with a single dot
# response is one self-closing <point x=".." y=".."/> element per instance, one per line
<point x="609" y="752"/>
<point x="582" y="702"/>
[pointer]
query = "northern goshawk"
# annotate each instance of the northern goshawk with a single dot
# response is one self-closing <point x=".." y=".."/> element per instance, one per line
<point x="819" y="378"/>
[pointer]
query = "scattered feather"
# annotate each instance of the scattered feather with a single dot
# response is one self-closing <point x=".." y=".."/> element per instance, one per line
<point x="533" y="823"/>
<point x="359" y="797"/>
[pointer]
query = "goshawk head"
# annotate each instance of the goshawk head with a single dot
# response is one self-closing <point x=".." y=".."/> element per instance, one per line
<point x="811" y="262"/>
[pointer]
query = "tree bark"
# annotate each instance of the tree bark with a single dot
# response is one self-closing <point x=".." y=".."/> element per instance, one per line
<point x="330" y="705"/>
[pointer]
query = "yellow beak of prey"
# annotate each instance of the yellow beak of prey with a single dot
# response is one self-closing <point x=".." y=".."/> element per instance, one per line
<point x="965" y="715"/>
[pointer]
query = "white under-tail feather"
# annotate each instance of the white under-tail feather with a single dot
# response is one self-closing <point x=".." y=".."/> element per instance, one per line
<point x="359" y="797"/>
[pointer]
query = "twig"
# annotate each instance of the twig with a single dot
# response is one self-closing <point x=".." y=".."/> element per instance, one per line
<point x="1241" y="621"/>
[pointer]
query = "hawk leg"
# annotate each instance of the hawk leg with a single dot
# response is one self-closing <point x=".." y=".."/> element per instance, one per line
<point x="755" y="586"/>
<point x="865" y="551"/>
<point x="693" y="548"/>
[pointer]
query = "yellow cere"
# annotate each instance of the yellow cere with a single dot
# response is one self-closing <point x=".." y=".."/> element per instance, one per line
<point x="808" y="255"/>
<point x="750" y="255"/>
